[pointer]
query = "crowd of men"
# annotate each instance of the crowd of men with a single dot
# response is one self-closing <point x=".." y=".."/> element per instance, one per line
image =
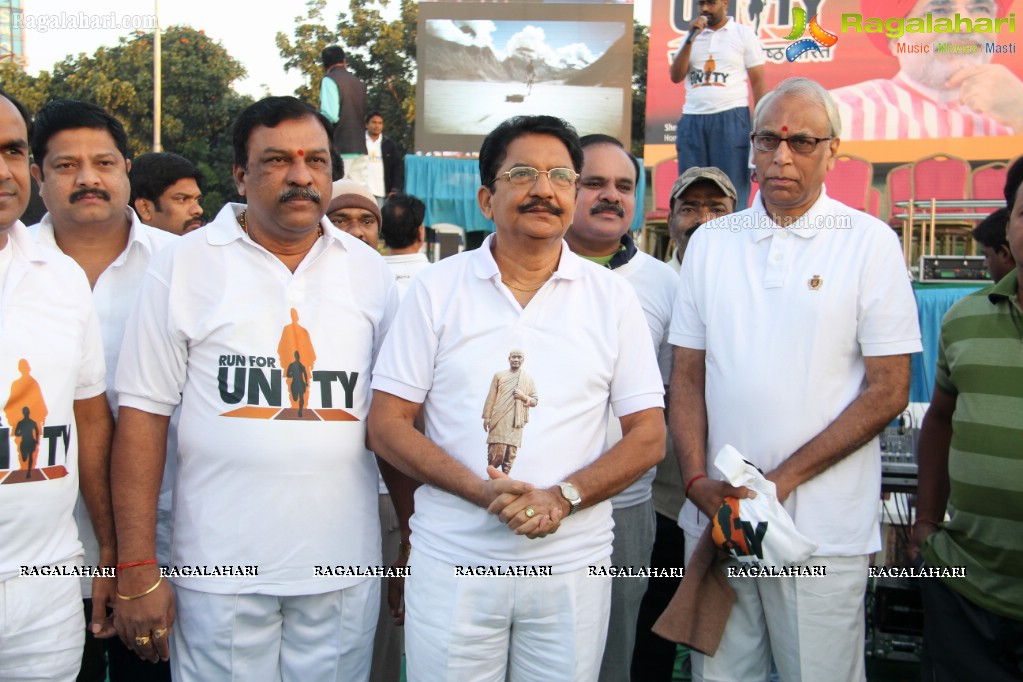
<point x="321" y="506"/>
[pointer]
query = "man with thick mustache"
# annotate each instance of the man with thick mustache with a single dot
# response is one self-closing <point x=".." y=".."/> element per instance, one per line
<point x="285" y="490"/>
<point x="794" y="323"/>
<point x="538" y="611"/>
<point x="81" y="165"/>
<point x="599" y="232"/>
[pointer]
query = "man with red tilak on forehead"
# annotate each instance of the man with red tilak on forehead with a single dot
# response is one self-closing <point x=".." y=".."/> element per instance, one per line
<point x="272" y="475"/>
<point x="794" y="322"/>
<point x="954" y="93"/>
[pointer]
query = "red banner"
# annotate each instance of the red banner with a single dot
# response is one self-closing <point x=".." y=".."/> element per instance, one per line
<point x="885" y="118"/>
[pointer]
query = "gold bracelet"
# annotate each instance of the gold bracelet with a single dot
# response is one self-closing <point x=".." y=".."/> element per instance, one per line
<point x="405" y="549"/>
<point x="133" y="597"/>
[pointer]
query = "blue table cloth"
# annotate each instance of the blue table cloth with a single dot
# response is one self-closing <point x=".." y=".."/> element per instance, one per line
<point x="932" y="302"/>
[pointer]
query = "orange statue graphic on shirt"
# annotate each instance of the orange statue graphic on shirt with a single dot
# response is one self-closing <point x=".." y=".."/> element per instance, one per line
<point x="26" y="413"/>
<point x="506" y="412"/>
<point x="297" y="356"/>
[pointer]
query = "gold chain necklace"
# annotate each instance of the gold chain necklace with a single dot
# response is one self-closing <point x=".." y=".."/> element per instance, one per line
<point x="525" y="289"/>
<point x="245" y="225"/>
<point x="529" y="288"/>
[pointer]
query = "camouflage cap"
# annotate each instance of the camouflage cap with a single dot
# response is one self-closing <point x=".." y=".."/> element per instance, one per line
<point x="696" y="174"/>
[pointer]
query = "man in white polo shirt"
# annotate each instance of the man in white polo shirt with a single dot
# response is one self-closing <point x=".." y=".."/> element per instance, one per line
<point x="582" y="332"/>
<point x="275" y="515"/>
<point x="81" y="166"/>
<point x="794" y="323"/>
<point x="718" y="57"/>
<point x="600" y="232"/>
<point x="54" y="438"/>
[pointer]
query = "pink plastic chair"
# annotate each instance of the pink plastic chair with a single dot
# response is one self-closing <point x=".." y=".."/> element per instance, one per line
<point x="849" y="181"/>
<point x="988" y="181"/>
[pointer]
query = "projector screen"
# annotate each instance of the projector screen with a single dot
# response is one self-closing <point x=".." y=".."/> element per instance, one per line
<point x="480" y="64"/>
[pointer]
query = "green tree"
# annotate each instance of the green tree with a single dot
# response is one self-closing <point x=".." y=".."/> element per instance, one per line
<point x="198" y="103"/>
<point x="32" y="91"/>
<point x="381" y="53"/>
<point x="640" y="47"/>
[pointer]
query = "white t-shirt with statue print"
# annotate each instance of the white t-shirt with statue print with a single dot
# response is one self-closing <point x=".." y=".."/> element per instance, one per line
<point x="585" y="350"/>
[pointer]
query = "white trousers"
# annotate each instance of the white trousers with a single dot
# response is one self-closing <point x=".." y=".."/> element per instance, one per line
<point x="493" y="628"/>
<point x="42" y="629"/>
<point x="812" y="626"/>
<point x="256" y="637"/>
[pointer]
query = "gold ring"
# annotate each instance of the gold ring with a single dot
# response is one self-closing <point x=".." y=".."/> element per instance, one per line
<point x="142" y="641"/>
<point x="529" y="512"/>
<point x="158" y="633"/>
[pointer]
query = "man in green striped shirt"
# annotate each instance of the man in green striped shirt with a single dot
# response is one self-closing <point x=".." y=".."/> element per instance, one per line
<point x="971" y="460"/>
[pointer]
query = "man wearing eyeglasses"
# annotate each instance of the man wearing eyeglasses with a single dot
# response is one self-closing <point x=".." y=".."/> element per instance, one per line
<point x="794" y="322"/>
<point x="510" y="574"/>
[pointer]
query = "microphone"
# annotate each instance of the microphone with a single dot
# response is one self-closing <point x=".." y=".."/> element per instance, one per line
<point x="693" y="31"/>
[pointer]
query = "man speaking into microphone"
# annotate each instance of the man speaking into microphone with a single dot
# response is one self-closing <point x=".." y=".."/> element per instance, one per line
<point x="717" y="59"/>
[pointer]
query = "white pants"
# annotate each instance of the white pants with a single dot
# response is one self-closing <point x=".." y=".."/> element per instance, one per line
<point x="492" y="628"/>
<point x="42" y="629"/>
<point x="812" y="626"/>
<point x="308" y="638"/>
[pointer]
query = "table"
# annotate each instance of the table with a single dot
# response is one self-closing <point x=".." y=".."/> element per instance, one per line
<point x="932" y="302"/>
<point x="933" y="215"/>
<point x="448" y="186"/>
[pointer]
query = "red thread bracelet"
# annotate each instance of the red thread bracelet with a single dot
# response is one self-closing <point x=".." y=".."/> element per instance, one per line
<point x="693" y="480"/>
<point x="133" y="564"/>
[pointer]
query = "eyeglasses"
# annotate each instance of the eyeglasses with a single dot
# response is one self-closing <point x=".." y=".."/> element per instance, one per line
<point x="801" y="144"/>
<point x="562" y="178"/>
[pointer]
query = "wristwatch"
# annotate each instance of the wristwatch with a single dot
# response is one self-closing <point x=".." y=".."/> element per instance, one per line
<point x="570" y="493"/>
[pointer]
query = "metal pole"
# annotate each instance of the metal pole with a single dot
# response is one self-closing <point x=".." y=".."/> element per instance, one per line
<point x="157" y="85"/>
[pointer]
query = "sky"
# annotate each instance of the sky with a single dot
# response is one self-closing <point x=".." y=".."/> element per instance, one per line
<point x="247" y="36"/>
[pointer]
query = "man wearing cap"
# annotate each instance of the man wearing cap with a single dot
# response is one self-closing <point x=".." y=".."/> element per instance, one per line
<point x="794" y="323"/>
<point x="354" y="209"/>
<point x="934" y="94"/>
<point x="718" y="57"/>
<point x="698" y="196"/>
